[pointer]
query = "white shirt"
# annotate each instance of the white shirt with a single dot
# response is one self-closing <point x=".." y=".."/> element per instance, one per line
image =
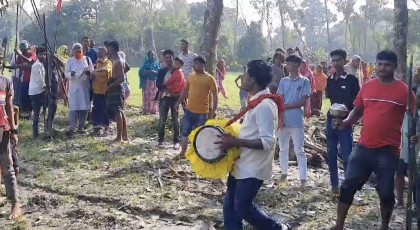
<point x="15" y="72"/>
<point x="79" y="95"/>
<point x="37" y="81"/>
<point x="188" y="60"/>
<point x="259" y="123"/>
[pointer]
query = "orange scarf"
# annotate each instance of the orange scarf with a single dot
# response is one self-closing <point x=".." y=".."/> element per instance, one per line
<point x="78" y="56"/>
<point x="252" y="104"/>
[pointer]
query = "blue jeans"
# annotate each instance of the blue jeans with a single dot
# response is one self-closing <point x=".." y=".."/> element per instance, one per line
<point x="238" y="205"/>
<point x="363" y="162"/>
<point x="334" y="137"/>
<point x="99" y="112"/>
<point x="191" y="121"/>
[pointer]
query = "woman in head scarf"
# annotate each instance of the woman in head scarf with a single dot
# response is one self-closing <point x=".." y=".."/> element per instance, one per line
<point x="62" y="89"/>
<point x="126" y="85"/>
<point x="78" y="70"/>
<point x="306" y="72"/>
<point x="148" y="76"/>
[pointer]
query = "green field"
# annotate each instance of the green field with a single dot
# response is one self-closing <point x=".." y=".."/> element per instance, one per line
<point x="232" y="90"/>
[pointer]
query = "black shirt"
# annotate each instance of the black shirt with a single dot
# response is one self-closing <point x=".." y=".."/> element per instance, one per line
<point x="343" y="90"/>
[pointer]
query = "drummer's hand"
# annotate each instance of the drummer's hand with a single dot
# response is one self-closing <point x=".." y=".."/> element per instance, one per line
<point x="228" y="141"/>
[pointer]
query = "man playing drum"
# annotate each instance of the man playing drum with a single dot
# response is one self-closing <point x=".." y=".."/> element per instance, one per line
<point x="257" y="140"/>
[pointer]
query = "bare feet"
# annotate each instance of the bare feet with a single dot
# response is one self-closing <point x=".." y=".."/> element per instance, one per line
<point x="16" y="213"/>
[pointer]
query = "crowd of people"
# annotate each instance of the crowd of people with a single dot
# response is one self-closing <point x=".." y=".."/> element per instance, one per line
<point x="277" y="94"/>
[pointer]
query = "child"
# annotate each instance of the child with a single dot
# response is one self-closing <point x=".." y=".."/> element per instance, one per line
<point x="176" y="76"/>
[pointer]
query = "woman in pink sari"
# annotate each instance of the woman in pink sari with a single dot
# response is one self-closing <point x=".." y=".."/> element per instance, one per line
<point x="220" y="76"/>
<point x="306" y="72"/>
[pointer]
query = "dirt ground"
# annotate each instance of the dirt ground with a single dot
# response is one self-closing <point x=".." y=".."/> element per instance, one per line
<point x="91" y="183"/>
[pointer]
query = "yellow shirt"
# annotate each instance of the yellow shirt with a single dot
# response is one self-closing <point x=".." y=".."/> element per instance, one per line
<point x="200" y="86"/>
<point x="103" y="74"/>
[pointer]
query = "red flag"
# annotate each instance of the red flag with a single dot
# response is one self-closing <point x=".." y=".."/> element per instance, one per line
<point x="59" y="5"/>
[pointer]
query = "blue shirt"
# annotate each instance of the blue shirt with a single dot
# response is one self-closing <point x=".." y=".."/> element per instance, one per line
<point x="292" y="92"/>
<point x="92" y="55"/>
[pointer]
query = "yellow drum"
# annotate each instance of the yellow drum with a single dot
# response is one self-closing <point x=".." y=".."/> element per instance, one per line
<point x="207" y="159"/>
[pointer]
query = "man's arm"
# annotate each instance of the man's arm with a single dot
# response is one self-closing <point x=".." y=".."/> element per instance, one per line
<point x="237" y="79"/>
<point x="354" y="116"/>
<point x="119" y="75"/>
<point x="215" y="96"/>
<point x="9" y="108"/>
<point x="183" y="94"/>
<point x="41" y="77"/>
<point x="126" y="67"/>
<point x="266" y="122"/>
<point x="305" y="95"/>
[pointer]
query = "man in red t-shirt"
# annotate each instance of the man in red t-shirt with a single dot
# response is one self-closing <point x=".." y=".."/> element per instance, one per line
<point x="25" y="58"/>
<point x="382" y="102"/>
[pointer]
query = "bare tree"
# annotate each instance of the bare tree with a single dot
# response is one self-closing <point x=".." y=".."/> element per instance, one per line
<point x="211" y="32"/>
<point x="346" y="7"/>
<point x="149" y="8"/>
<point x="3" y="5"/>
<point x="328" y="24"/>
<point x="283" y="6"/>
<point x="400" y="36"/>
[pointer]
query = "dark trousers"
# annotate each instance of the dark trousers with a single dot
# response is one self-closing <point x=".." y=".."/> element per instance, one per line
<point x="24" y="100"/>
<point x="238" y="205"/>
<point x="166" y="104"/>
<point x="52" y="110"/>
<point x="363" y="162"/>
<point x="7" y="171"/>
<point x="16" y="83"/>
<point x="99" y="112"/>
<point x="345" y="139"/>
<point x="37" y="103"/>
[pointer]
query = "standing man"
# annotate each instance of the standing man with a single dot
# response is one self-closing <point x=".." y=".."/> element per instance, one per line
<point x="353" y="67"/>
<point x="168" y="100"/>
<point x="382" y="102"/>
<point x="200" y="87"/>
<point x="37" y="88"/>
<point x="115" y="92"/>
<point x="9" y="134"/>
<point x="25" y="58"/>
<point x="257" y="139"/>
<point x="296" y="90"/>
<point x="88" y="50"/>
<point x="187" y="57"/>
<point x="102" y="74"/>
<point x="342" y="88"/>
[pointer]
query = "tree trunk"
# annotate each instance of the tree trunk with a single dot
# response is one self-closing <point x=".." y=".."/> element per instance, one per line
<point x="400" y="36"/>
<point x="235" y="32"/>
<point x="345" y="35"/>
<point x="328" y="24"/>
<point x="150" y="39"/>
<point x="211" y="31"/>
<point x="283" y="25"/>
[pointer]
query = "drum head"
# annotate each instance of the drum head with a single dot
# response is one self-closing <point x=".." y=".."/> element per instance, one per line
<point x="204" y="144"/>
